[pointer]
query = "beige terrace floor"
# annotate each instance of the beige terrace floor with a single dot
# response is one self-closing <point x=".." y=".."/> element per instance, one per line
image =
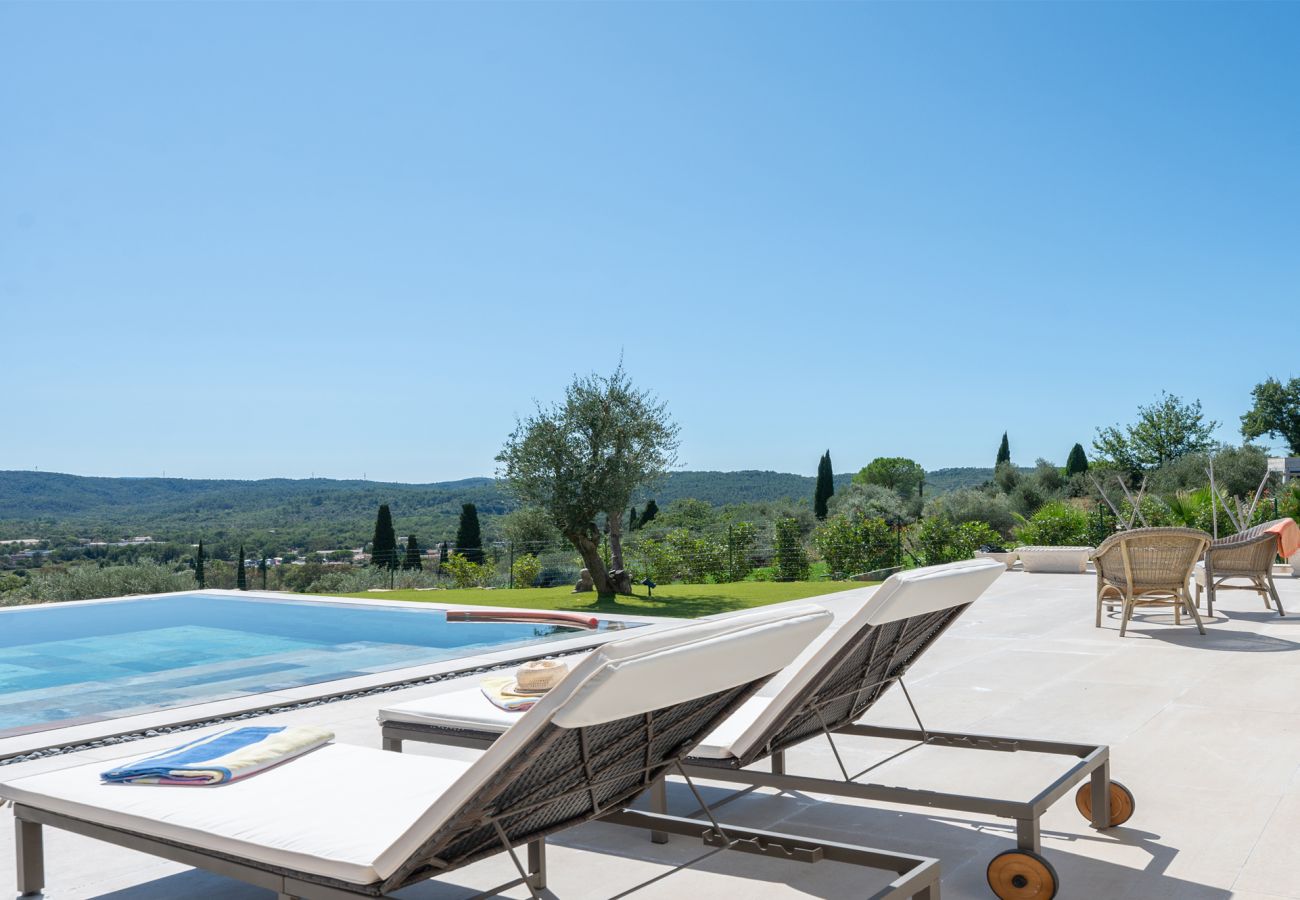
<point x="1204" y="730"/>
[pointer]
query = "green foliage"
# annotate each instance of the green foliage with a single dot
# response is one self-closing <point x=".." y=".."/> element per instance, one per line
<point x="825" y="486"/>
<point x="648" y="514"/>
<point x="1055" y="524"/>
<point x="791" y="557"/>
<point x="529" y="528"/>
<point x="525" y="570"/>
<point x="469" y="537"/>
<point x="1289" y="502"/>
<point x="383" y="546"/>
<point x="88" y="582"/>
<point x="869" y="501"/>
<point x="241" y="571"/>
<point x="853" y="545"/>
<point x="1077" y="463"/>
<point x="1004" y="451"/>
<point x="465" y="572"/>
<point x="199" y="574"/>
<point x="1006" y="477"/>
<point x="1275" y="411"/>
<point x="586" y="458"/>
<point x="898" y="473"/>
<point x="412" y="559"/>
<point x="687" y="513"/>
<point x="970" y="505"/>
<point x="1165" y="430"/>
<point x="741" y="540"/>
<point x="939" y="540"/>
<point x="1237" y="470"/>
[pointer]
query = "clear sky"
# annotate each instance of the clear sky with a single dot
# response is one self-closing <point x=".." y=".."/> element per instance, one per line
<point x="251" y="240"/>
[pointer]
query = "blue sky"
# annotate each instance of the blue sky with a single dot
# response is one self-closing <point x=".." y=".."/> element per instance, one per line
<point x="251" y="240"/>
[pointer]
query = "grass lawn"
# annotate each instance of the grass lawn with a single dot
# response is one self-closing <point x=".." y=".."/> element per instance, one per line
<point x="683" y="600"/>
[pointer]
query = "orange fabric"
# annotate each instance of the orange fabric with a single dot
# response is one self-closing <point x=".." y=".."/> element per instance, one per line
<point x="1288" y="537"/>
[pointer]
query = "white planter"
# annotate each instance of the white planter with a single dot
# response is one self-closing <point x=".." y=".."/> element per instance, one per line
<point x="1072" y="560"/>
<point x="1007" y="559"/>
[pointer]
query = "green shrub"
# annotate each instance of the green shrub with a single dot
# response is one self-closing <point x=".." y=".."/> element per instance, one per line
<point x="973" y="505"/>
<point x="940" y="540"/>
<point x="466" y="574"/>
<point x="90" y="582"/>
<point x="791" y="558"/>
<point x="1056" y="524"/>
<point x="526" y="570"/>
<point x="853" y="545"/>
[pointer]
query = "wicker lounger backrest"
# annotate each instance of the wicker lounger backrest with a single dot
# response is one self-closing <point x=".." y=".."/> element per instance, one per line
<point x="850" y="671"/>
<point x="613" y="726"/>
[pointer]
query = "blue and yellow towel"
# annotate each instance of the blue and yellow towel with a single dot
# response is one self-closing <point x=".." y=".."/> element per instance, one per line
<point x="221" y="757"/>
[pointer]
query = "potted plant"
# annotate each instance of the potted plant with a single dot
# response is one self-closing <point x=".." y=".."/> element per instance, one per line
<point x="1055" y="539"/>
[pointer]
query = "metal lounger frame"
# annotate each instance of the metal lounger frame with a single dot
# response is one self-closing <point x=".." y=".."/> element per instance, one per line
<point x="562" y="778"/>
<point x="830" y="705"/>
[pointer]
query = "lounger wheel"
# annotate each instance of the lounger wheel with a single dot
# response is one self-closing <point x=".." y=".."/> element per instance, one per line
<point x="1122" y="803"/>
<point x="1022" y="875"/>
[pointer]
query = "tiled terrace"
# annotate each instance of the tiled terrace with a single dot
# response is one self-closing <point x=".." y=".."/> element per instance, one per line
<point x="1204" y="730"/>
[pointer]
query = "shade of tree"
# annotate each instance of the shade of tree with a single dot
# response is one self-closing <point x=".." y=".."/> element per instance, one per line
<point x="583" y="459"/>
<point x="1004" y="451"/>
<point x="1164" y="431"/>
<point x="469" y="537"/>
<point x="825" y="488"/>
<point x="647" y="515"/>
<point x="241" y="577"/>
<point x="1077" y="463"/>
<point x="1275" y="411"/>
<point x="199" y="575"/>
<point x="898" y="473"/>
<point x="412" y="559"/>
<point x="383" y="546"/>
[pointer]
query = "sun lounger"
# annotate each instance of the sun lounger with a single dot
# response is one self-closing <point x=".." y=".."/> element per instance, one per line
<point x="823" y="694"/>
<point x="344" y="821"/>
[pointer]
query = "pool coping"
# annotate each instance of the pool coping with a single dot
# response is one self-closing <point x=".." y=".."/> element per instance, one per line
<point x="24" y="747"/>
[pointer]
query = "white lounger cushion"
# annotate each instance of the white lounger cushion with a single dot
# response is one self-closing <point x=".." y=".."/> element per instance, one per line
<point x="906" y="594"/>
<point x="332" y="812"/>
<point x="903" y="595"/>
<point x="358" y="814"/>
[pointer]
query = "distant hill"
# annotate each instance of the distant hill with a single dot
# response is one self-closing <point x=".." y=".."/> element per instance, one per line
<point x="319" y="510"/>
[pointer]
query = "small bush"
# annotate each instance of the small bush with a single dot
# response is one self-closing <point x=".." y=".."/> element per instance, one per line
<point x="466" y="574"/>
<point x="90" y="582"/>
<point x="940" y="540"/>
<point x="852" y="545"/>
<point x="526" y="570"/>
<point x="1056" y="524"/>
<point x="791" y="558"/>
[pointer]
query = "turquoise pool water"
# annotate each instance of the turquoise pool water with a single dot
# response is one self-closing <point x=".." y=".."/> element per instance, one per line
<point x="71" y="663"/>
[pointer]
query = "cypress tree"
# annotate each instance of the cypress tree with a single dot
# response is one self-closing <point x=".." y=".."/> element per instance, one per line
<point x="631" y="520"/>
<point x="412" y="559"/>
<point x="469" y="540"/>
<point x="261" y="569"/>
<point x="825" y="486"/>
<point x="1004" y="451"/>
<point x="1078" y="461"/>
<point x="241" y="578"/>
<point x="444" y="550"/>
<point x="651" y="510"/>
<point x="199" y="575"/>
<point x="383" y="546"/>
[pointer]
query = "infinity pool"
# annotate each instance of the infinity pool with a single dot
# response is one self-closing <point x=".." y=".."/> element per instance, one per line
<point x="72" y="663"/>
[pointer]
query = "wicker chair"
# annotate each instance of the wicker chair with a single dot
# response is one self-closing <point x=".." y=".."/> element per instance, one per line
<point x="1149" y="567"/>
<point x="1246" y="556"/>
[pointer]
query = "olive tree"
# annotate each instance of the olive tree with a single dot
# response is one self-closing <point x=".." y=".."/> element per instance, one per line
<point x="582" y="460"/>
<point x="1276" y="412"/>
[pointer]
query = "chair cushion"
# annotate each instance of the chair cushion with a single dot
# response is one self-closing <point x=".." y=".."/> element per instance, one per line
<point x="463" y="710"/>
<point x="335" y="812"/>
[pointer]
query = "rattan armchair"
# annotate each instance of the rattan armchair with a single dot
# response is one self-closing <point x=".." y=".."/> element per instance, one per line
<point x="1149" y="567"/>
<point x="1247" y="556"/>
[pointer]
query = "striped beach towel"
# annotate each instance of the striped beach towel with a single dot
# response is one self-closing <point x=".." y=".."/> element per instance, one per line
<point x="218" y="758"/>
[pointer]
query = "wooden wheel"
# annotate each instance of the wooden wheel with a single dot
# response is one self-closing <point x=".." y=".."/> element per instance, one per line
<point x="1122" y="803"/>
<point x="1022" y="875"/>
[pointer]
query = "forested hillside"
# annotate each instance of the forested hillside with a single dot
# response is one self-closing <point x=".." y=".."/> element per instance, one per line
<point x="319" y="512"/>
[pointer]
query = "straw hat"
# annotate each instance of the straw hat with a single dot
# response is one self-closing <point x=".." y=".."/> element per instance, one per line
<point x="539" y="676"/>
